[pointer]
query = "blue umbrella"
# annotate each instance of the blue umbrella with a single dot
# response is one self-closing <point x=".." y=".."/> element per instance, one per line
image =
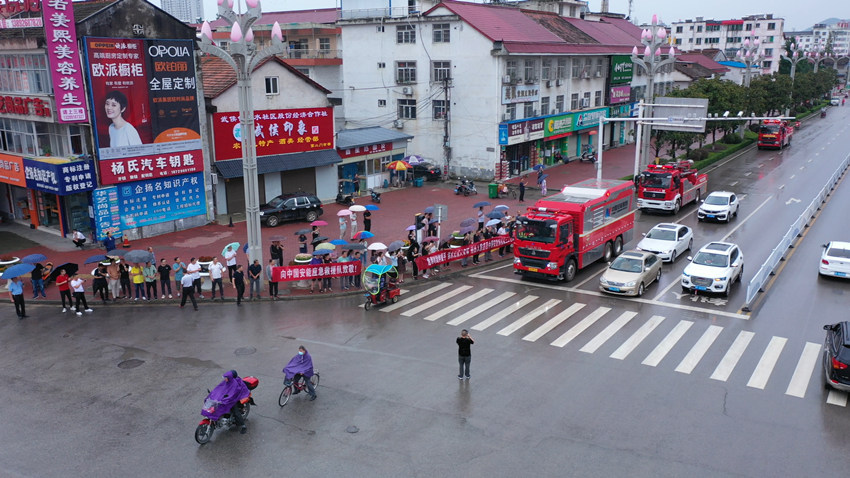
<point x="481" y="204"/>
<point x="321" y="252"/>
<point x="411" y="227"/>
<point x="538" y="167"/>
<point x="429" y="210"/>
<point x="338" y="242"/>
<point x="34" y="259"/>
<point x="492" y="222"/>
<point x="96" y="258"/>
<point x="495" y="215"/>
<point x="413" y="159"/>
<point x="372" y="207"/>
<point x="17" y="270"/>
<point x="501" y="207"/>
<point x="363" y="235"/>
<point x="468" y="222"/>
<point x="543" y="177"/>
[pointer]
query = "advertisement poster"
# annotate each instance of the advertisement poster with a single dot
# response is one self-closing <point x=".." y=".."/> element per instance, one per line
<point x="107" y="217"/>
<point x="621" y="69"/>
<point x="144" y="102"/>
<point x="12" y="170"/>
<point x="62" y="178"/>
<point x="158" y="200"/>
<point x="64" y="55"/>
<point x="275" y="132"/>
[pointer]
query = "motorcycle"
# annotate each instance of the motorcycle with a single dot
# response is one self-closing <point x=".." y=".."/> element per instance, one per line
<point x="823" y="113"/>
<point x="466" y="187"/>
<point x="344" y="199"/>
<point x="376" y="196"/>
<point x="588" y="155"/>
<point x="215" y="418"/>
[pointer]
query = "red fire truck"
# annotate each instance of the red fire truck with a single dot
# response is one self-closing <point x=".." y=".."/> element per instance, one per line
<point x="775" y="134"/>
<point x="668" y="187"/>
<point x="569" y="230"/>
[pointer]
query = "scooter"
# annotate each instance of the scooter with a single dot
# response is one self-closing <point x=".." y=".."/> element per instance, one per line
<point x="588" y="155"/>
<point x="376" y="196"/>
<point x="466" y="187"/>
<point x="823" y="113"/>
<point x="344" y="199"/>
<point x="213" y="418"/>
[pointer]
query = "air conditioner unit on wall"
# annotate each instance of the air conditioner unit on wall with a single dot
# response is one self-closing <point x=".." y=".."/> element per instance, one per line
<point x="506" y="79"/>
<point x="585" y="75"/>
<point x="559" y="82"/>
<point x="597" y="74"/>
<point x="407" y="90"/>
<point x="585" y="102"/>
<point x="548" y="83"/>
<point x="398" y="124"/>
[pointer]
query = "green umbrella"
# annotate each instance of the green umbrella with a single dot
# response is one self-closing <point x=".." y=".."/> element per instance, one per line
<point x="232" y="245"/>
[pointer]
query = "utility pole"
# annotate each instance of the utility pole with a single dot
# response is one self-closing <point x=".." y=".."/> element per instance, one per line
<point x="447" y="145"/>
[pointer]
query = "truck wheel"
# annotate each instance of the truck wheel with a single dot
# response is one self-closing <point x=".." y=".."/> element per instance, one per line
<point x="677" y="206"/>
<point x="570" y="270"/>
<point x="618" y="245"/>
<point x="609" y="252"/>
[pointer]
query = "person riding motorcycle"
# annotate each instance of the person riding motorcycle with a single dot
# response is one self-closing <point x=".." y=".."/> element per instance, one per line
<point x="228" y="393"/>
<point x="301" y="365"/>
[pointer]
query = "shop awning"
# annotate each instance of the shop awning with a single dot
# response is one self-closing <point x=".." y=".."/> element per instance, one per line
<point x="280" y="162"/>
<point x="353" y="138"/>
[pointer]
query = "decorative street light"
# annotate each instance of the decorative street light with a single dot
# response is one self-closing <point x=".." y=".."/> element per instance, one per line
<point x="797" y="55"/>
<point x="751" y="55"/>
<point x="652" y="62"/>
<point x="817" y="56"/>
<point x="243" y="57"/>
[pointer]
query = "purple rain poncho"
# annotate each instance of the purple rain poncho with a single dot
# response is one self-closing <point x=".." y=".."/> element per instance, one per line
<point x="226" y="394"/>
<point x="302" y="364"/>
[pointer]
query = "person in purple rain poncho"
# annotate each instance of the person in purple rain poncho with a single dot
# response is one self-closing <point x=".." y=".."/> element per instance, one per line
<point x="301" y="364"/>
<point x="227" y="394"/>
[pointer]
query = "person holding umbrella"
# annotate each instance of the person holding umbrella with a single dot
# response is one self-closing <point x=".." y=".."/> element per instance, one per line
<point x="343" y="225"/>
<point x="276" y="252"/>
<point x="230" y="260"/>
<point x="353" y="224"/>
<point x="16" y="294"/>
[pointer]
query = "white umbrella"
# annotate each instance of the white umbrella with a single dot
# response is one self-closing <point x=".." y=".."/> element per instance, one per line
<point x="377" y="246"/>
<point x="492" y="222"/>
<point x="357" y="208"/>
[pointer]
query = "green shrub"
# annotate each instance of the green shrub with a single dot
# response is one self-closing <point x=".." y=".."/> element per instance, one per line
<point x="731" y="138"/>
<point x="698" y="154"/>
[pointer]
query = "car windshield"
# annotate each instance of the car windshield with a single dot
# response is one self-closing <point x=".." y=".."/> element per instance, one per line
<point x="627" y="264"/>
<point x="769" y="129"/>
<point x="661" y="234"/>
<point x="537" y="231"/>
<point x="711" y="259"/>
<point x="717" y="200"/>
<point x="838" y="252"/>
<point x="656" y="180"/>
<point x="276" y="202"/>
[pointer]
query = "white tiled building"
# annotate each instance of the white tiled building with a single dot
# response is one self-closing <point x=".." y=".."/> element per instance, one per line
<point x="188" y="11"/>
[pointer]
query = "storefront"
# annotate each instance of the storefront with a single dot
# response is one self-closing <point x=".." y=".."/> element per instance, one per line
<point x="366" y="152"/>
<point x="521" y="144"/>
<point x="586" y="126"/>
<point x="623" y="132"/>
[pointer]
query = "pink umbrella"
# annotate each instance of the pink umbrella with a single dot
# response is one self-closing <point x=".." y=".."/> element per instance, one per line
<point x="318" y="223"/>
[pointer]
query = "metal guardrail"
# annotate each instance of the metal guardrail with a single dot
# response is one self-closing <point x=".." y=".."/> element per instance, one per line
<point x="777" y="255"/>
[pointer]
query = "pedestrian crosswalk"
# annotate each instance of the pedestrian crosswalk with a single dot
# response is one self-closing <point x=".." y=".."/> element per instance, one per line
<point x="627" y="335"/>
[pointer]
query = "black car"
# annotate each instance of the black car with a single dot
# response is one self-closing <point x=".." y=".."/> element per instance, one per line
<point x="836" y="356"/>
<point x="427" y="171"/>
<point x="291" y="207"/>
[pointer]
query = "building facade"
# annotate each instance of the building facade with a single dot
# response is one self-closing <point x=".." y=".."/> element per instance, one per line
<point x="187" y="11"/>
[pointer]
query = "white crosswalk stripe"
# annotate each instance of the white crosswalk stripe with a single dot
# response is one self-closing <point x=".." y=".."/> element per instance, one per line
<point x="552" y="323"/>
<point x="803" y="373"/>
<point x="458" y="304"/>
<point x="665" y="346"/>
<point x="436" y="301"/>
<point x="699" y="349"/>
<point x="632" y="342"/>
<point x="727" y="364"/>
<point x="768" y="360"/>
<point x="608" y="332"/>
<point x="837" y="397"/>
<point x="504" y="313"/>
<point x="580" y="327"/>
<point x="524" y="320"/>
<point x="415" y="297"/>
<point x="481" y="308"/>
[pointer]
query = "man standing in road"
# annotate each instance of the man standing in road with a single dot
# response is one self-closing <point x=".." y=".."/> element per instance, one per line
<point x="63" y="283"/>
<point x="255" y="278"/>
<point x="16" y="293"/>
<point x="239" y="284"/>
<point x="188" y="285"/>
<point x="164" y="271"/>
<point x="78" y="284"/>
<point x="464" y="354"/>
<point x="194" y="270"/>
<point x="216" y="272"/>
<point x="230" y="260"/>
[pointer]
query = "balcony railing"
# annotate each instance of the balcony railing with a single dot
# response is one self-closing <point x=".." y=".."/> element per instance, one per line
<point x="303" y="53"/>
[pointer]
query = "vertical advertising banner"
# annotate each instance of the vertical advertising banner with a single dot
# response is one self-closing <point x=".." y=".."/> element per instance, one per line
<point x="64" y="56"/>
<point x="107" y="218"/>
<point x="144" y="99"/>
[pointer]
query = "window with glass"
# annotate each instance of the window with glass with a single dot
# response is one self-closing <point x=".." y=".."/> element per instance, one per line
<point x="544" y="106"/>
<point x="441" y="70"/>
<point x="324" y="45"/>
<point x="407" y="109"/>
<point x="600" y="65"/>
<point x="597" y="98"/>
<point x="528" y="110"/>
<point x="562" y="68"/>
<point x="440" y="109"/>
<point x="24" y="73"/>
<point x="441" y="32"/>
<point x="405" y="34"/>
<point x="405" y="72"/>
<point x="510" y="111"/>
<point x="679" y="29"/>
<point x="511" y="68"/>
<point x="545" y="69"/>
<point x="530" y="68"/>
<point x="559" y="103"/>
<point x="771" y="26"/>
<point x="40" y="139"/>
<point x="588" y="66"/>
<point x="586" y="100"/>
<point x="574" y="101"/>
<point x="271" y="85"/>
<point x="576" y="67"/>
<point x="382" y="103"/>
<point x="699" y="28"/>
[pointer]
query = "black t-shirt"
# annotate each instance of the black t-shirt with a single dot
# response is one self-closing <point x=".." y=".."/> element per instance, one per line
<point x="36" y="273"/>
<point x="164" y="272"/>
<point x="255" y="270"/>
<point x="463" y="344"/>
<point x="276" y="251"/>
<point x="239" y="278"/>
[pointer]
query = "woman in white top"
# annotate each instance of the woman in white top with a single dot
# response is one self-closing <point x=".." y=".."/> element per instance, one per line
<point x="121" y="133"/>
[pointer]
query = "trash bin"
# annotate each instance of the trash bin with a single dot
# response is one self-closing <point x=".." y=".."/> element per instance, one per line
<point x="493" y="190"/>
<point x="417" y="182"/>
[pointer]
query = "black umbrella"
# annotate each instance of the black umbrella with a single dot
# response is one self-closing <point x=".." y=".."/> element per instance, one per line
<point x="395" y="245"/>
<point x="319" y="239"/>
<point x="137" y="256"/>
<point x="69" y="267"/>
<point x="495" y="214"/>
<point x="302" y="232"/>
<point x="96" y="258"/>
<point x="117" y="253"/>
<point x="353" y="246"/>
<point x="468" y="222"/>
<point x="538" y="167"/>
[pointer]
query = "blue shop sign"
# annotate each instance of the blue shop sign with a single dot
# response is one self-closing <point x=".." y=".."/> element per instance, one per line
<point x="142" y="203"/>
<point x="107" y="216"/>
<point x="63" y="178"/>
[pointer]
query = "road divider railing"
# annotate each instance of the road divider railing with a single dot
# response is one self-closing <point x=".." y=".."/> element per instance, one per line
<point x="777" y="255"/>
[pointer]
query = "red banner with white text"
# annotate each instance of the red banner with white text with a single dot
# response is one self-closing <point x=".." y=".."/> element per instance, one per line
<point x="316" y="271"/>
<point x="457" y="253"/>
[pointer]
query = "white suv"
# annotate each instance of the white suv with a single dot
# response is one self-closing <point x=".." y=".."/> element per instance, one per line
<point x="718" y="206"/>
<point x="714" y="268"/>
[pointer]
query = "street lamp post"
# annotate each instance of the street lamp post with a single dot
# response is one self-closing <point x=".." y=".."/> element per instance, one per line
<point x="652" y="62"/>
<point x="243" y="57"/>
<point x="817" y="56"/>
<point x="751" y="55"/>
<point x="797" y="55"/>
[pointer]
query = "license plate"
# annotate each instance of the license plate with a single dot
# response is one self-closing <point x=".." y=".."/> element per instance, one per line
<point x="614" y="289"/>
<point x="532" y="269"/>
<point x="710" y="215"/>
<point x="840" y="274"/>
<point x="699" y="287"/>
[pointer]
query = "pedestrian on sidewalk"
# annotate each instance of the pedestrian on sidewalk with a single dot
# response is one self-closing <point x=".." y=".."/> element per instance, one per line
<point x="559" y="158"/>
<point x="113" y="279"/>
<point x="315" y="234"/>
<point x="153" y="256"/>
<point x="164" y="271"/>
<point x="188" y="285"/>
<point x="356" y="256"/>
<point x="150" y="280"/>
<point x="481" y="218"/>
<point x="502" y="231"/>
<point x="326" y="281"/>
<point x="230" y="261"/>
<point x="194" y="269"/>
<point x="539" y="176"/>
<point x="126" y="285"/>
<point x="343" y="225"/>
<point x="412" y="254"/>
<point x="343" y="258"/>
<point x="367" y="220"/>
<point x="137" y="274"/>
<point x="401" y="260"/>
<point x="255" y="278"/>
<point x="488" y="234"/>
<point x="353" y="224"/>
<point x="99" y="283"/>
<point x="109" y="241"/>
<point x="464" y="354"/>
<point x="16" y="294"/>
<point x="522" y="189"/>
<point x="543" y="190"/>
<point x="270" y="278"/>
<point x="78" y="238"/>
<point x="37" y="279"/>
<point x="356" y="185"/>
<point x="302" y="244"/>
<point x="179" y="268"/>
<point x="216" y="273"/>
<point x="466" y="241"/>
<point x="78" y="284"/>
<point x="63" y="283"/>
<point x="239" y="283"/>
<point x="476" y="238"/>
<point x="276" y="252"/>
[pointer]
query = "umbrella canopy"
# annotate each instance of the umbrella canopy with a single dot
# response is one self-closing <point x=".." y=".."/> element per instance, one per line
<point x="369" y="207"/>
<point x="378" y="246"/>
<point x="411" y="227"/>
<point x="101" y="257"/>
<point x="233" y="245"/>
<point x="319" y="223"/>
<point x="492" y="222"/>
<point x="338" y="242"/>
<point x="467" y="229"/>
<point x="319" y="239"/>
<point x="17" y="270"/>
<point x="481" y="204"/>
<point x="321" y="252"/>
<point x="501" y="207"/>
<point x="343" y="212"/>
<point x="538" y="167"/>
<point x="395" y="245"/>
<point x="302" y="232"/>
<point x="137" y="255"/>
<point x="325" y="246"/>
<point x="495" y="215"/>
<point x="414" y="159"/>
<point x="357" y="208"/>
<point x="69" y="268"/>
<point x="33" y="259"/>
<point x="430" y="239"/>
<point x="543" y="176"/>
<point x="117" y="253"/>
<point x="354" y="246"/>
<point x="362" y="235"/>
<point x="277" y="238"/>
<point x="399" y="165"/>
<point x="468" y="222"/>
<point x="429" y="210"/>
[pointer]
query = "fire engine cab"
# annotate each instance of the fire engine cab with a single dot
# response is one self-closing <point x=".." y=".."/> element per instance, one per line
<point x="775" y="134"/>
<point x="670" y="186"/>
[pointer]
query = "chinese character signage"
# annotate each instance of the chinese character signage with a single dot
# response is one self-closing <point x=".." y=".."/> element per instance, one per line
<point x="25" y="106"/>
<point x="520" y="94"/>
<point x="60" y="178"/>
<point x="275" y="132"/>
<point x="337" y="269"/>
<point x="364" y="150"/>
<point x="558" y="126"/>
<point x="107" y="217"/>
<point x="64" y="55"/>
<point x="620" y="94"/>
<point x="621" y="69"/>
<point x="12" y="170"/>
<point x="144" y="100"/>
<point x="522" y="131"/>
<point x="588" y="119"/>
<point x="158" y="200"/>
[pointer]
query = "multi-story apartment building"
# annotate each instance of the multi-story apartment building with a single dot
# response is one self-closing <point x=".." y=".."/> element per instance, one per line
<point x="187" y="11"/>
<point x="729" y="36"/>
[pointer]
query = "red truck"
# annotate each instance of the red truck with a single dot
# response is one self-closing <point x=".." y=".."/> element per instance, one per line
<point x="775" y="134"/>
<point x="567" y="231"/>
<point x="670" y="186"/>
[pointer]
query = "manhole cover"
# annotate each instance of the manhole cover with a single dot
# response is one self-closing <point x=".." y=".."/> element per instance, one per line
<point x="245" y="351"/>
<point x="352" y="429"/>
<point x="132" y="363"/>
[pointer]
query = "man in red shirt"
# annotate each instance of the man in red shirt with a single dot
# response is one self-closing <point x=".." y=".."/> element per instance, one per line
<point x="63" y="282"/>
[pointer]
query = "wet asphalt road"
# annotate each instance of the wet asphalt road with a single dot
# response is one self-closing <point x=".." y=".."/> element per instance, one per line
<point x="570" y="382"/>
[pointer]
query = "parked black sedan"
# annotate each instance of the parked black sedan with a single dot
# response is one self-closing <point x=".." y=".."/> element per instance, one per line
<point x="291" y="207"/>
<point x="836" y="356"/>
<point x="428" y="171"/>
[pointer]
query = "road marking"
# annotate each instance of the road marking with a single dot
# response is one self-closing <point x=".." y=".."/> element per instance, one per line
<point x="742" y="222"/>
<point x="552" y="323"/>
<point x="436" y="301"/>
<point x="792" y="176"/>
<point x="747" y="173"/>
<point x="803" y="373"/>
<point x="699" y="349"/>
<point x="632" y="342"/>
<point x="836" y="397"/>
<point x="727" y="364"/>
<point x="413" y="298"/>
<point x="518" y="324"/>
<point x="732" y="184"/>
<point x="782" y="187"/>
<point x="761" y="165"/>
<point x="400" y="291"/>
<point x="768" y="360"/>
<point x="802" y="168"/>
<point x="790" y="200"/>
<point x="458" y="304"/>
<point x="580" y="327"/>
<point x="609" y="332"/>
<point x="481" y="308"/>
<point x="504" y="313"/>
<point x="666" y="345"/>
